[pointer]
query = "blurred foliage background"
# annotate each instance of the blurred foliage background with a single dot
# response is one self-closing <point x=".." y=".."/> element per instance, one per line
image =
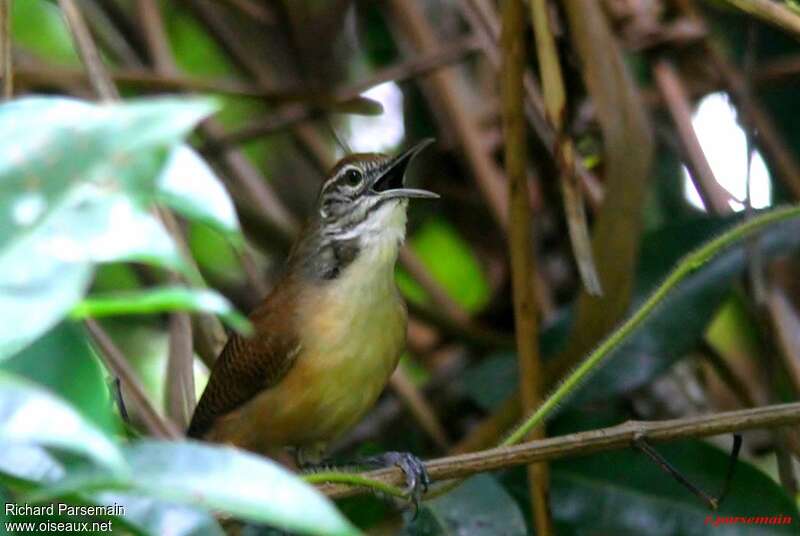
<point x="132" y="235"/>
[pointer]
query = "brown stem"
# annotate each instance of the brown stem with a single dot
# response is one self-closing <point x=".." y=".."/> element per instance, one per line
<point x="291" y="115"/>
<point x="5" y="49"/>
<point x="485" y="23"/>
<point x="414" y="25"/>
<point x="584" y="443"/>
<point x="419" y="407"/>
<point x="254" y="10"/>
<point x="156" y="37"/>
<point x="714" y="196"/>
<point x="43" y="74"/>
<point x="180" y="394"/>
<point x="118" y="365"/>
<point x="411" y="262"/>
<point x="98" y="76"/>
<point x="521" y="242"/>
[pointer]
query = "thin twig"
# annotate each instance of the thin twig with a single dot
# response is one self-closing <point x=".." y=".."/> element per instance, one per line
<point x="5" y="49"/>
<point x="43" y="74"/>
<point x="491" y="429"/>
<point x="411" y="262"/>
<point x="408" y="15"/>
<point x="469" y="333"/>
<point x="254" y="10"/>
<point x="118" y="365"/>
<point x="100" y="19"/>
<point x="726" y="373"/>
<point x="642" y="444"/>
<point x="762" y="129"/>
<point x="156" y="37"/>
<point x="87" y="49"/>
<point x="180" y="394"/>
<point x="753" y="115"/>
<point x="585" y="443"/>
<point x="714" y="196"/>
<point x="291" y="115"/>
<point x="486" y="25"/>
<point x="555" y="98"/>
<point x="419" y="407"/>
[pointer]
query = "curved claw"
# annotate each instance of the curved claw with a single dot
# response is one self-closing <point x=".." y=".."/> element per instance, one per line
<point x="417" y="479"/>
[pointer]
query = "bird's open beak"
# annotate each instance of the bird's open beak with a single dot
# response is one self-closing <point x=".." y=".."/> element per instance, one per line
<point x="391" y="183"/>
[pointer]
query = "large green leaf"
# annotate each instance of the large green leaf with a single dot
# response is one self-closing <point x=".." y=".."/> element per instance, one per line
<point x="33" y="467"/>
<point x="218" y="478"/>
<point x="157" y="517"/>
<point x="676" y="327"/>
<point x="479" y="507"/>
<point x="233" y="481"/>
<point x="63" y="361"/>
<point x="29" y="415"/>
<point x="190" y="186"/>
<point x="157" y="300"/>
<point x="77" y="183"/>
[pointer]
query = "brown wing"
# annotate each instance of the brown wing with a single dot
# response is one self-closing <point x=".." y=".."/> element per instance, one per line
<point x="247" y="366"/>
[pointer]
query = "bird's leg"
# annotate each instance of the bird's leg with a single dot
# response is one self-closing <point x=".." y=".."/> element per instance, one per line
<point x="310" y="459"/>
<point x="417" y="479"/>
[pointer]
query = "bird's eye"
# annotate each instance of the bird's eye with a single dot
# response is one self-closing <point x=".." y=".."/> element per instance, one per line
<point x="353" y="177"/>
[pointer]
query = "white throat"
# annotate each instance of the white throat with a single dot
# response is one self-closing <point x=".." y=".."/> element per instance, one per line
<point x="380" y="236"/>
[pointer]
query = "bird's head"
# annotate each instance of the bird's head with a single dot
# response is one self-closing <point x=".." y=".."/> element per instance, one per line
<point x="365" y="197"/>
<point x="361" y="210"/>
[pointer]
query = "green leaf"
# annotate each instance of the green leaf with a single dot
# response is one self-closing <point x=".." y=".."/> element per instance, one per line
<point x="32" y="416"/>
<point x="592" y="492"/>
<point x="48" y="290"/>
<point x="218" y="478"/>
<point x="77" y="182"/>
<point x="28" y="466"/>
<point x="233" y="481"/>
<point x="191" y="187"/>
<point x="479" y="507"/>
<point x="451" y="262"/>
<point x="158" y="300"/>
<point x="155" y="516"/>
<point x="32" y="468"/>
<point x="676" y="327"/>
<point x="63" y="361"/>
<point x="502" y="368"/>
<point x="37" y="26"/>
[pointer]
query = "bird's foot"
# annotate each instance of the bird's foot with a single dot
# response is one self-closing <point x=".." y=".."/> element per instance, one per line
<point x="417" y="479"/>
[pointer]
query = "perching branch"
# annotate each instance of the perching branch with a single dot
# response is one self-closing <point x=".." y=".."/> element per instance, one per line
<point x="577" y="444"/>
